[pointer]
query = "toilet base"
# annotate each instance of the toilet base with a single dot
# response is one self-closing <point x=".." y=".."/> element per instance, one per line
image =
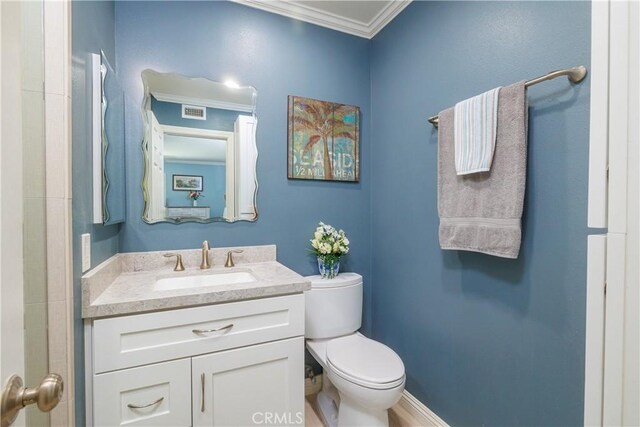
<point x="351" y="413"/>
<point x="328" y="409"/>
<point x="344" y="412"/>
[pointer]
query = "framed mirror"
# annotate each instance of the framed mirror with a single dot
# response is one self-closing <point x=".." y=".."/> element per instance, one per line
<point x="199" y="150"/>
<point x="108" y="143"/>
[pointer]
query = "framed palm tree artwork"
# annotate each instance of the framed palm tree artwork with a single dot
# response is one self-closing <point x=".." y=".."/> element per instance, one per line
<point x="323" y="140"/>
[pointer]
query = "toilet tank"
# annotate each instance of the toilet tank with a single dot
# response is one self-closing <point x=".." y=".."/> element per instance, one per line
<point x="333" y="307"/>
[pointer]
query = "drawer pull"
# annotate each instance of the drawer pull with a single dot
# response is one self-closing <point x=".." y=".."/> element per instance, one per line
<point x="145" y="406"/>
<point x="202" y="397"/>
<point x="206" y="331"/>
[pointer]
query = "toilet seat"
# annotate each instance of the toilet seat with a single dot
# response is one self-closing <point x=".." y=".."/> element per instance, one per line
<point x="365" y="362"/>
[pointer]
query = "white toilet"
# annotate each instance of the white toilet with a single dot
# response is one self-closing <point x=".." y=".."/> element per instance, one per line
<point x="368" y="375"/>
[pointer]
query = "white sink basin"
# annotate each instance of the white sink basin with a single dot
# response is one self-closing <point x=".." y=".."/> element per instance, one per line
<point x="215" y="279"/>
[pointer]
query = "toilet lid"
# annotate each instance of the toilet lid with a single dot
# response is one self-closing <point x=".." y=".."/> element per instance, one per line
<point x="364" y="361"/>
<point x="342" y="280"/>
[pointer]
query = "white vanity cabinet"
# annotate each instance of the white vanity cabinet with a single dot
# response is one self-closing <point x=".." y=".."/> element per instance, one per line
<point x="230" y="364"/>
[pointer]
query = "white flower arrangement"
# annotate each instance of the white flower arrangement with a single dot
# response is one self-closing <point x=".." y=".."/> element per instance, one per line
<point x="328" y="243"/>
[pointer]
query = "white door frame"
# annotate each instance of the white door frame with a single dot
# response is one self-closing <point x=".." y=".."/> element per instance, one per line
<point x="57" y="95"/>
<point x="611" y="352"/>
<point x="229" y="137"/>
<point x="631" y="380"/>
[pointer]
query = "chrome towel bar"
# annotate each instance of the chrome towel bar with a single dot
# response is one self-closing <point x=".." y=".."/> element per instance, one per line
<point x="575" y="75"/>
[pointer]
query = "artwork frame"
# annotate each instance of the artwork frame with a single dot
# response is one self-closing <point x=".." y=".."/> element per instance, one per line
<point x="323" y="140"/>
<point x="187" y="182"/>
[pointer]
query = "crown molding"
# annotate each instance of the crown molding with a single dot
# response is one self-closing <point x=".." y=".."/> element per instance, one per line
<point x="386" y="15"/>
<point x="302" y="12"/>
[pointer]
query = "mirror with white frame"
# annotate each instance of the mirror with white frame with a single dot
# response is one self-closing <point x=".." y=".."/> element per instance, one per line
<point x="199" y="150"/>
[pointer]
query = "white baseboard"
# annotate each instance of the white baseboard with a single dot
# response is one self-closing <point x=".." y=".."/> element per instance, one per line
<point x="419" y="412"/>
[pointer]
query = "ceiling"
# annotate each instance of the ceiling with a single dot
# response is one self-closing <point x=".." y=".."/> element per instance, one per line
<point x="363" y="18"/>
<point x="198" y="91"/>
<point x="187" y="149"/>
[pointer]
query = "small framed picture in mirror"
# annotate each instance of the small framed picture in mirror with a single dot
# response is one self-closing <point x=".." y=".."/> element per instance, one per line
<point x="187" y="183"/>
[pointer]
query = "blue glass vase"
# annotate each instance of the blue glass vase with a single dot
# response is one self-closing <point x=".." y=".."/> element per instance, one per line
<point x="328" y="269"/>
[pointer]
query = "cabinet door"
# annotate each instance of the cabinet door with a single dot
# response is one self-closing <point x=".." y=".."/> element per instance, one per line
<point x="154" y="395"/>
<point x="257" y="385"/>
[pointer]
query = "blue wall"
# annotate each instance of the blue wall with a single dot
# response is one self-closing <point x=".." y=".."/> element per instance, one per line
<point x="214" y="179"/>
<point x="279" y="57"/>
<point x="170" y="113"/>
<point x="485" y="341"/>
<point x="93" y="30"/>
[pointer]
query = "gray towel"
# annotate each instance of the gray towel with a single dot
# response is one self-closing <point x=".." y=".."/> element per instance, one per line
<point x="481" y="212"/>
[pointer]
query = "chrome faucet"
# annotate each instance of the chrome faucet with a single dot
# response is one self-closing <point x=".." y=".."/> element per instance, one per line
<point x="205" y="256"/>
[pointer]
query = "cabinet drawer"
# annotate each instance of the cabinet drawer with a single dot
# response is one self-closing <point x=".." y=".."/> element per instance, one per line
<point x="127" y="341"/>
<point x="155" y="395"/>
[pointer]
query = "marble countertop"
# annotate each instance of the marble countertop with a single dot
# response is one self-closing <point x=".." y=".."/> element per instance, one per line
<point x="123" y="285"/>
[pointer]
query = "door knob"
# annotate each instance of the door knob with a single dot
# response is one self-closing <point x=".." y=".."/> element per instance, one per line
<point x="15" y="396"/>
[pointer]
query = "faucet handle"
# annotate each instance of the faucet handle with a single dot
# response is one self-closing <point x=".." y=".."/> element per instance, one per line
<point x="205" y="264"/>
<point x="179" y="266"/>
<point x="229" y="262"/>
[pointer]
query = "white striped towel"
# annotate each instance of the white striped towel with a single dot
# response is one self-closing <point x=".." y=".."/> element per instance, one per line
<point x="475" y="124"/>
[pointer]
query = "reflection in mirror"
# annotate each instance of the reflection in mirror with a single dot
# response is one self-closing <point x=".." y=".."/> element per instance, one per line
<point x="200" y="150"/>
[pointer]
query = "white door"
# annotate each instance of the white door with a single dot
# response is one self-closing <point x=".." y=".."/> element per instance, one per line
<point x="257" y="385"/>
<point x="230" y="203"/>
<point x="11" y="289"/>
<point x="246" y="154"/>
<point x="23" y="282"/>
